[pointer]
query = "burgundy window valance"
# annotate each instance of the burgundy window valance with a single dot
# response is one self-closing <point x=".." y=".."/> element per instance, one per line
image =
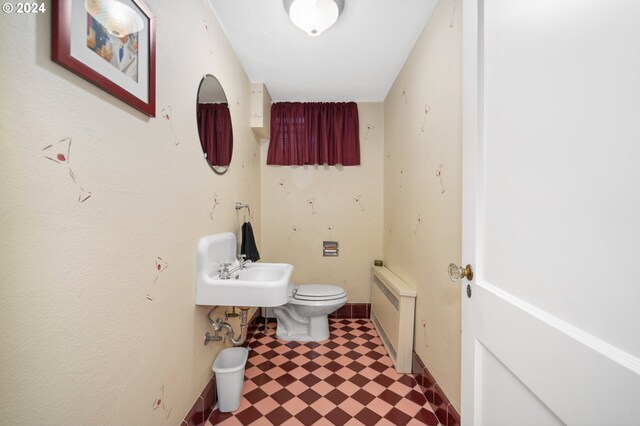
<point x="314" y="133"/>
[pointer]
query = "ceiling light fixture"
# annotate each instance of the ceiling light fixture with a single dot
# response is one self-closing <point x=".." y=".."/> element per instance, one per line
<point x="116" y="17"/>
<point x="313" y="16"/>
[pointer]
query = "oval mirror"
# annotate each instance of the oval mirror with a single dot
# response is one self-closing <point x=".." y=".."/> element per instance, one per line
<point x="214" y="124"/>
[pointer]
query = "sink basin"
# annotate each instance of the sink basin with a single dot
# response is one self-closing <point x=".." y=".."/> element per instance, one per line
<point x="259" y="284"/>
<point x="267" y="272"/>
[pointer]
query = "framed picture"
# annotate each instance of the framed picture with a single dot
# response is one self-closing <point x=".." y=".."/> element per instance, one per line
<point x="112" y="44"/>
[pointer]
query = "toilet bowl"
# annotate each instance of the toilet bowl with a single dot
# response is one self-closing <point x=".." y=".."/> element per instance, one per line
<point x="304" y="317"/>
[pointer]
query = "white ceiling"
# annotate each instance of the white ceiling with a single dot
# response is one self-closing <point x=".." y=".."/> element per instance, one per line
<point x="355" y="60"/>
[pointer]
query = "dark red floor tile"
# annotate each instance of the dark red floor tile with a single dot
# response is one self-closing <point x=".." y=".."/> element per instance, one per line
<point x="390" y="397"/>
<point x="337" y="416"/>
<point x="437" y="399"/>
<point x="310" y="380"/>
<point x="278" y="416"/>
<point x="368" y="417"/>
<point x="408" y="380"/>
<point x="286" y="379"/>
<point x="335" y="380"/>
<point x="348" y="336"/>
<point x="353" y="355"/>
<point x="282" y="396"/>
<point x="417" y="397"/>
<point x="218" y="417"/>
<point x="261" y="379"/>
<point x="266" y="366"/>
<point x="427" y="380"/>
<point x="383" y="380"/>
<point x="356" y="366"/>
<point x="288" y="366"/>
<point x="311" y="366"/>
<point x="378" y="366"/>
<point x="350" y="345"/>
<point x="248" y="415"/>
<point x="397" y="417"/>
<point x="255" y="395"/>
<point x="312" y="354"/>
<point x="209" y="394"/>
<point x="331" y="345"/>
<point x="441" y="414"/>
<point x="369" y="345"/>
<point x="358" y="380"/>
<point x="206" y="414"/>
<point x="333" y="366"/>
<point x="363" y="397"/>
<point x="332" y="355"/>
<point x="291" y="354"/>
<point x="427" y="417"/>
<point x="309" y="396"/>
<point x="336" y="396"/>
<point x="453" y="418"/>
<point x="308" y="416"/>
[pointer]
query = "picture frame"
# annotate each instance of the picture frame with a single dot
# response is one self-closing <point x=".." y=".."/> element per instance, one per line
<point x="116" y="55"/>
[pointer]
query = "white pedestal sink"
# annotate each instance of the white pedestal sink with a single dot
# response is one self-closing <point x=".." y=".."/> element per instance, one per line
<point x="258" y="284"/>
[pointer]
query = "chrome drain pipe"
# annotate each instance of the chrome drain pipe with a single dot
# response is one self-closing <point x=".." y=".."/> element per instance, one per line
<point x="230" y="334"/>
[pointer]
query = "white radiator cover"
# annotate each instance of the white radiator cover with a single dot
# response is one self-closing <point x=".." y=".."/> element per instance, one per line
<point x="393" y="304"/>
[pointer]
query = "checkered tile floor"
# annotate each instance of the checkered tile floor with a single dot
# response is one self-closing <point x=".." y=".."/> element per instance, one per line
<point x="346" y="380"/>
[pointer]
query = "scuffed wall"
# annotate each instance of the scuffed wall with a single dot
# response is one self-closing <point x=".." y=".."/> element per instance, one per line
<point x="102" y="208"/>
<point x="303" y="206"/>
<point x="422" y="187"/>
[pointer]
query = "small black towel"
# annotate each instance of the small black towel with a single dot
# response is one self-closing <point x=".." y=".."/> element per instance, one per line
<point x="248" y="245"/>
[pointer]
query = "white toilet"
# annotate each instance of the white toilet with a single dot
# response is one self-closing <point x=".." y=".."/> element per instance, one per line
<point x="304" y="317"/>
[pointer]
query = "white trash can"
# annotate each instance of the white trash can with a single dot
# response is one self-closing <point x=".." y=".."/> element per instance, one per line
<point x="229" y="369"/>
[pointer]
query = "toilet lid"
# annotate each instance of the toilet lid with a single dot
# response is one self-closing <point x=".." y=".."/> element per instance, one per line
<point x="318" y="292"/>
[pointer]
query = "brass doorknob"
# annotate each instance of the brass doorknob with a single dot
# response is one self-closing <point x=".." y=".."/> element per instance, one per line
<point x="457" y="272"/>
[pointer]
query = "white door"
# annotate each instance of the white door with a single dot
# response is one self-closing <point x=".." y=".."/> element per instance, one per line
<point x="551" y="212"/>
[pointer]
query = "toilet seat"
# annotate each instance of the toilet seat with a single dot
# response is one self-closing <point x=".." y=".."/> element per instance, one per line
<point x="317" y="293"/>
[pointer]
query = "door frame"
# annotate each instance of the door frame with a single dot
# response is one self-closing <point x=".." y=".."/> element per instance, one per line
<point x="471" y="138"/>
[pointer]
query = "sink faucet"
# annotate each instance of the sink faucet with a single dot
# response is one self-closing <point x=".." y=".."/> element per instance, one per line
<point x="242" y="262"/>
<point x="225" y="274"/>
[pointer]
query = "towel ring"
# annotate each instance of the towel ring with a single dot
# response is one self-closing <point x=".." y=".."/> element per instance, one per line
<point x="242" y="206"/>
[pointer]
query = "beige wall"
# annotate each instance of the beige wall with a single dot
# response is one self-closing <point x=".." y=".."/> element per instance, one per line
<point x="81" y="343"/>
<point x="422" y="187"/>
<point x="346" y="199"/>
